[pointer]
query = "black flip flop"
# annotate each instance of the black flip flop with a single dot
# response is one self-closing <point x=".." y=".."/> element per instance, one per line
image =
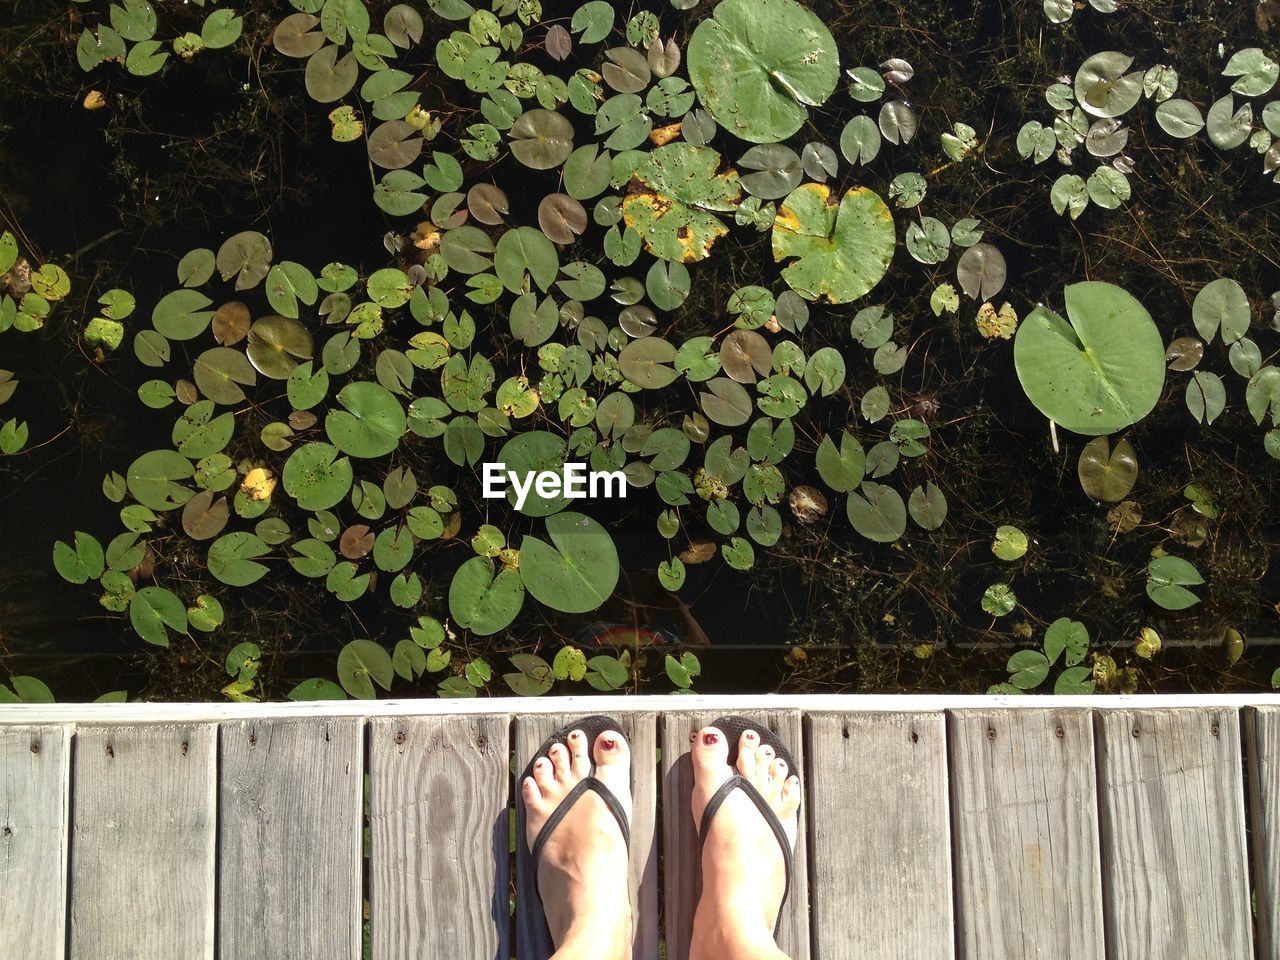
<point x="591" y="727"/>
<point x="733" y="727"/>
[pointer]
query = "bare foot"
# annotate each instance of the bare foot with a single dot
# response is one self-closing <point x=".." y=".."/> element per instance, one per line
<point x="743" y="870"/>
<point x="583" y="867"/>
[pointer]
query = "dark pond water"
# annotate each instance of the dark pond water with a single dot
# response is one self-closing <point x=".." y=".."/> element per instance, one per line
<point x="185" y="158"/>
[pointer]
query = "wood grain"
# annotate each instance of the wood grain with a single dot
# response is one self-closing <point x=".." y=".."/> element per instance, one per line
<point x="1262" y="726"/>
<point x="681" y="866"/>
<point x="142" y="842"/>
<point x="1025" y="822"/>
<point x="289" y="878"/>
<point x="879" y="840"/>
<point x="35" y="765"/>
<point x="439" y="795"/>
<point x="641" y="733"/>
<point x="1171" y="800"/>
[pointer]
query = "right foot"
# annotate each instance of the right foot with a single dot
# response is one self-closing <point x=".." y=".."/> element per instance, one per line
<point x="743" y="870"/>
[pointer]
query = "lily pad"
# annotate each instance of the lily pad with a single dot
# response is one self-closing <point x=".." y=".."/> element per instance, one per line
<point x="317" y="476"/>
<point x="578" y="571"/>
<point x="1103" y="88"/>
<point x="277" y="345"/>
<point x="757" y="66"/>
<point x="541" y="139"/>
<point x="371" y="424"/>
<point x="1099" y="373"/>
<point x="481" y="602"/>
<point x="842" y="250"/>
<point x="674" y="198"/>
<point x="1107" y="473"/>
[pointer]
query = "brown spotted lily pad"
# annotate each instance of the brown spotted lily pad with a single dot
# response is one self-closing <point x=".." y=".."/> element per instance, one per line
<point x="841" y="250"/>
<point x="674" y="197"/>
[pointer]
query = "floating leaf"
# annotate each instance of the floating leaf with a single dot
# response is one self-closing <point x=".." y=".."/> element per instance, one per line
<point x="360" y="664"/>
<point x="1179" y="118"/>
<point x="233" y="558"/>
<point x="1103" y="88"/>
<point x="578" y="571"/>
<point x="981" y="271"/>
<point x="1099" y="373"/>
<point x="154" y="608"/>
<point x="842" y="250"/>
<point x="481" y="602"/>
<point x="877" y="512"/>
<point x="1221" y="305"/>
<point x="541" y="139"/>
<point x="1167" y="580"/>
<point x="674" y="212"/>
<point x="758" y="64"/>
<point x="1107" y="473"/>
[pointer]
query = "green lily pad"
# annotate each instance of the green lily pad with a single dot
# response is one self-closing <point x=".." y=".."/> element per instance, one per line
<point x="673" y="205"/>
<point x="154" y="608"/>
<point x="232" y="558"/>
<point x="541" y="139"/>
<point x="361" y="663"/>
<point x="153" y="479"/>
<point x="85" y="562"/>
<point x="757" y="66"/>
<point x="317" y="476"/>
<point x="877" y="512"/>
<point x="371" y="423"/>
<point x="1167" y="581"/>
<point x="481" y="602"/>
<point x="1107" y="473"/>
<point x="842" y="250"/>
<point x="578" y="571"/>
<point x="1099" y="373"/>
<point x="1103" y="88"/>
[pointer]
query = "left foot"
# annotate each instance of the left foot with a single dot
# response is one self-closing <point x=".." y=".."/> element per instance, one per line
<point x="583" y="868"/>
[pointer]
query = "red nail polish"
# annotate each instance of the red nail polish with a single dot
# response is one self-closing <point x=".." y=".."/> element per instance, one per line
<point x="750" y="735"/>
<point x="710" y="739"/>
<point x="609" y="743"/>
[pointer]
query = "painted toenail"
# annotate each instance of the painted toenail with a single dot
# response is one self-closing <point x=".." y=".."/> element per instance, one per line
<point x="710" y="739"/>
<point x="609" y="743"/>
<point x="750" y="735"/>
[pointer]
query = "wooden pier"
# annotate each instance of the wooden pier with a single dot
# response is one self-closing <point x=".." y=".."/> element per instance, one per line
<point x="933" y="828"/>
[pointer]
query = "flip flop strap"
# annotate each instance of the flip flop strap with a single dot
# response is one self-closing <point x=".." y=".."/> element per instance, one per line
<point x="581" y="787"/>
<point x="737" y="782"/>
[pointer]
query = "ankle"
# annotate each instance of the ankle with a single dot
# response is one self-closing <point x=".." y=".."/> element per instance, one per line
<point x="726" y="924"/>
<point x="602" y="937"/>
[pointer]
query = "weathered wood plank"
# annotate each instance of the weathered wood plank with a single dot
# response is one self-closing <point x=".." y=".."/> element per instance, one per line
<point x="682" y="868"/>
<point x="1171" y="800"/>
<point x="290" y="835"/>
<point x="1025" y="822"/>
<point x="143" y="836"/>
<point x="641" y="733"/>
<point x="1263" y="740"/>
<point x="34" y="768"/>
<point x="880" y="846"/>
<point x="439" y="856"/>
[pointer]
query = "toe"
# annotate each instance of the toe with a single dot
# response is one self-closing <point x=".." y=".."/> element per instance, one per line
<point x="532" y="795"/>
<point x="579" y="758"/>
<point x="710" y="753"/>
<point x="790" y="797"/>
<point x="559" y="754"/>
<point x="613" y="766"/>
<point x="777" y="774"/>
<point x="748" y="744"/>
<point x="611" y="748"/>
<point x="544" y="774"/>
